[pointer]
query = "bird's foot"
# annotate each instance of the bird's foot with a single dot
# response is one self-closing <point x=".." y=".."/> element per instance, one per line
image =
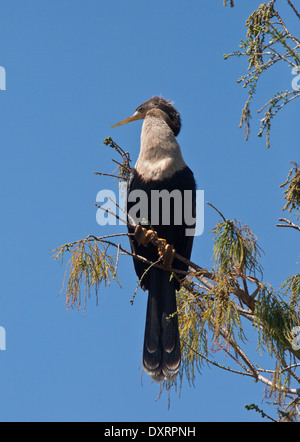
<point x="166" y="251"/>
<point x="143" y="235"/>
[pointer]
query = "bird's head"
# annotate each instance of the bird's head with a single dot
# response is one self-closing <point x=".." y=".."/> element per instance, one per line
<point x="169" y="113"/>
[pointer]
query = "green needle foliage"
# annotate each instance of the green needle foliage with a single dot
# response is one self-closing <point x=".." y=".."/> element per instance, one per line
<point x="292" y="193"/>
<point x="90" y="265"/>
<point x="236" y="249"/>
<point x="276" y="318"/>
<point x="292" y="287"/>
<point x="268" y="42"/>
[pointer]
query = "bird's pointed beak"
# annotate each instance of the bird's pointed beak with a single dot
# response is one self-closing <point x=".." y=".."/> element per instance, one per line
<point x="135" y="116"/>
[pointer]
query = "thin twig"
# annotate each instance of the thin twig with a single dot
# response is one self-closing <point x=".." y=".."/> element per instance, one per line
<point x="216" y="364"/>
<point x="293" y="7"/>
<point x="110" y="175"/>
<point x="295" y="40"/>
<point x="211" y="205"/>
<point x="288" y="224"/>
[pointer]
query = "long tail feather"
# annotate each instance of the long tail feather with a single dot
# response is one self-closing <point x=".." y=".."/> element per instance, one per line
<point x="161" y="356"/>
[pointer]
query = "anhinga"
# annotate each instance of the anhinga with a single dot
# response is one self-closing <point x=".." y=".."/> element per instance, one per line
<point x="160" y="165"/>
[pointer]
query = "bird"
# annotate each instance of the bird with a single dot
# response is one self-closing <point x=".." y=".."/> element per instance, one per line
<point x="160" y="166"/>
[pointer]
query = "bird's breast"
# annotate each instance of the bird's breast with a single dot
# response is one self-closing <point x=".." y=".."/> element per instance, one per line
<point x="159" y="170"/>
<point x="160" y="155"/>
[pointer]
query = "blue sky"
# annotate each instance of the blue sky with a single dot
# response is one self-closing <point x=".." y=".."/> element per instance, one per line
<point x="74" y="69"/>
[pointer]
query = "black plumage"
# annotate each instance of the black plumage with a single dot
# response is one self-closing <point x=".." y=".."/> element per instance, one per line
<point x="161" y="167"/>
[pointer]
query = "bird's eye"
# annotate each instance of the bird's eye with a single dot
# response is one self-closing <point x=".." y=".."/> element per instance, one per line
<point x="140" y="109"/>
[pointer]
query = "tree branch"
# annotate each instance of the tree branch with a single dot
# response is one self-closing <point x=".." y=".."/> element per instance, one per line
<point x="293" y="7"/>
<point x="288" y="224"/>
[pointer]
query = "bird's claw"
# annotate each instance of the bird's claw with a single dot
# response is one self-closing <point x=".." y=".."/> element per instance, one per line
<point x="142" y="235"/>
<point x="168" y="255"/>
<point x="166" y="251"/>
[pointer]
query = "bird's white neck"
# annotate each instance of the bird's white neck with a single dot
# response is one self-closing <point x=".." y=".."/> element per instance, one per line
<point x="160" y="154"/>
